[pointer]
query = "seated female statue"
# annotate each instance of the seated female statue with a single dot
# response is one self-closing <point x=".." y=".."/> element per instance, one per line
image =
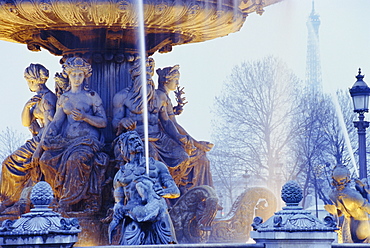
<point x="36" y="115"/>
<point x="128" y="114"/>
<point x="73" y="162"/>
<point x="198" y="171"/>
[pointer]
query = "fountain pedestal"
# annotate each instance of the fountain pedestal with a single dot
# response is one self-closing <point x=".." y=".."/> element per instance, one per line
<point x="41" y="227"/>
<point x="294" y="227"/>
<point x="294" y="239"/>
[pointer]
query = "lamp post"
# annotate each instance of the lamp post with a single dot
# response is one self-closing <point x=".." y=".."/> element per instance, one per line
<point x="360" y="95"/>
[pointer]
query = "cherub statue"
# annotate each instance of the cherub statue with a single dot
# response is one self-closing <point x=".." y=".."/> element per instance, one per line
<point x="352" y="205"/>
<point x="139" y="192"/>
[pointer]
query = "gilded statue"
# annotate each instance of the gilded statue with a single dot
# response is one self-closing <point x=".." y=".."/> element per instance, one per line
<point x="18" y="170"/>
<point x="352" y="205"/>
<point x="139" y="194"/>
<point x="167" y="147"/>
<point x="72" y="161"/>
<point x="198" y="171"/>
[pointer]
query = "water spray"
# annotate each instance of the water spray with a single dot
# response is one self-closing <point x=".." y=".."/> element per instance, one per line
<point x="344" y="131"/>
<point x="142" y="52"/>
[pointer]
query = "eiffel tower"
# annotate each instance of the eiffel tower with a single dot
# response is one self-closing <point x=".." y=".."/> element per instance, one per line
<point x="313" y="64"/>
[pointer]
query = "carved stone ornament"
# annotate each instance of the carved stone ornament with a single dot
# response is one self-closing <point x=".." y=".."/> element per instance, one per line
<point x="291" y="193"/>
<point x="193" y="213"/>
<point x="293" y="218"/>
<point x="236" y="225"/>
<point x="41" y="227"/>
<point x="63" y="26"/>
<point x="293" y="225"/>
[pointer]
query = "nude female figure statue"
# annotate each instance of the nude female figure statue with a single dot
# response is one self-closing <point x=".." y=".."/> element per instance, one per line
<point x="18" y="171"/>
<point x="73" y="162"/>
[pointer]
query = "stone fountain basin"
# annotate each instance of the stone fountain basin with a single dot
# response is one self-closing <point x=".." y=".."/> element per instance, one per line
<point x="75" y="24"/>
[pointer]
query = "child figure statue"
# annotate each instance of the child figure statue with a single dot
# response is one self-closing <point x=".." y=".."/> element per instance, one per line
<point x="352" y="204"/>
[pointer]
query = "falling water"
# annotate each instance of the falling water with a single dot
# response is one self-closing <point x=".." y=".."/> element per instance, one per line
<point x="235" y="12"/>
<point x="344" y="131"/>
<point x="142" y="52"/>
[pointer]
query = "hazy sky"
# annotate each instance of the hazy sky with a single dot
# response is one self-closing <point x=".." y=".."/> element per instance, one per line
<point x="281" y="31"/>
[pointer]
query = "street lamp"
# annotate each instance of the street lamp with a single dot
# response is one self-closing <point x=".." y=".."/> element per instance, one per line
<point x="360" y="95"/>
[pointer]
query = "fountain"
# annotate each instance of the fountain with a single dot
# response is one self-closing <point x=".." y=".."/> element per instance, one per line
<point x="106" y="35"/>
<point x="105" y="32"/>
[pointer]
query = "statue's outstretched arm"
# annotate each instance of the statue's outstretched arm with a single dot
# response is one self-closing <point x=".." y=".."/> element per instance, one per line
<point x="120" y="122"/>
<point x="27" y="112"/>
<point x="118" y="109"/>
<point x="202" y="145"/>
<point x="49" y="105"/>
<point x="169" y="188"/>
<point x="55" y="125"/>
<point x="51" y="130"/>
<point x="119" y="209"/>
<point x="170" y="127"/>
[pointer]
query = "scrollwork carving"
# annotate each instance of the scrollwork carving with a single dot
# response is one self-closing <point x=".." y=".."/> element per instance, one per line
<point x="163" y="18"/>
<point x="123" y="6"/>
<point x="302" y="221"/>
<point x="11" y="8"/>
<point x="236" y="226"/>
<point x="84" y="6"/>
<point x="46" y="6"/>
<point x="193" y="10"/>
<point x="160" y="8"/>
<point x="193" y="214"/>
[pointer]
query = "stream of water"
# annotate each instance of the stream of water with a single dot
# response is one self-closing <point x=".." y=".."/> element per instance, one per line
<point x="142" y="52"/>
<point x="344" y="131"/>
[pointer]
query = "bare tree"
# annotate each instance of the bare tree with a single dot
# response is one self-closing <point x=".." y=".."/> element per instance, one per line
<point x="10" y="140"/>
<point x="253" y="116"/>
<point x="267" y="127"/>
<point x="227" y="173"/>
<point x="310" y="144"/>
<point x="320" y="143"/>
